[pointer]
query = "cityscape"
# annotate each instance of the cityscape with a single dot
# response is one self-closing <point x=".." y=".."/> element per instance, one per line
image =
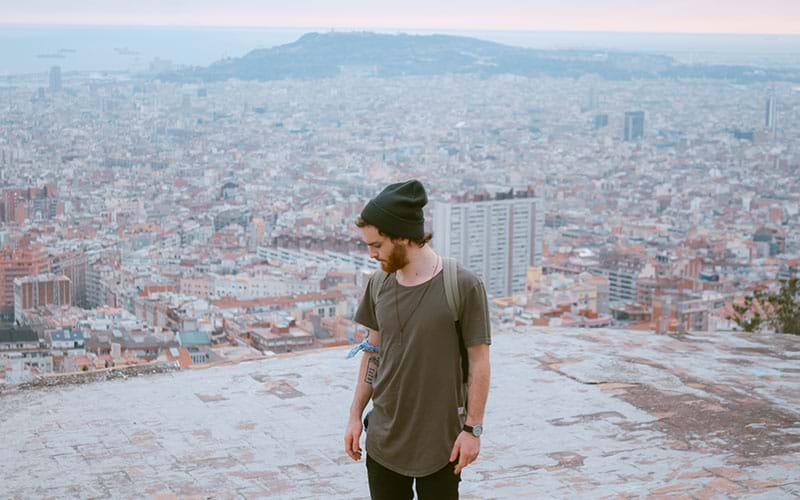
<point x="194" y="223"/>
<point x="157" y="221"/>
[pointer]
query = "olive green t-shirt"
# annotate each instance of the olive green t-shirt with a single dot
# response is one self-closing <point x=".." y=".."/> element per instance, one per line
<point x="418" y="390"/>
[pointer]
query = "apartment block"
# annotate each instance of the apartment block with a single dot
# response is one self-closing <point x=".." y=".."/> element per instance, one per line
<point x="497" y="238"/>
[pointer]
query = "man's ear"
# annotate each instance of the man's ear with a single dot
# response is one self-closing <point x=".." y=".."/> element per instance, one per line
<point x="401" y="241"/>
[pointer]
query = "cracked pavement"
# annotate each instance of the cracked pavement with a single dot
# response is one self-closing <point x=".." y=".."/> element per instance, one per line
<point x="571" y="414"/>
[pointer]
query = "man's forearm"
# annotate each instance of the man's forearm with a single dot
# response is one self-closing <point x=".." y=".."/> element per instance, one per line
<point x="363" y="385"/>
<point x="478" y="385"/>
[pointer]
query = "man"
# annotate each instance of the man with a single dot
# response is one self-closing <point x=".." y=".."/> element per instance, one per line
<point x="418" y="431"/>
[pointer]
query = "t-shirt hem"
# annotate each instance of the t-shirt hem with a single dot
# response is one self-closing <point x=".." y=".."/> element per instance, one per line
<point x="371" y="327"/>
<point x="401" y="470"/>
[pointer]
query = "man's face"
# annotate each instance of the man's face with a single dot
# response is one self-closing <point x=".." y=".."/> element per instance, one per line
<point x="391" y="254"/>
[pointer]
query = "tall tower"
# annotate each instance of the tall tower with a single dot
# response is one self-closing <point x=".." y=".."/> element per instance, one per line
<point x="771" y="116"/>
<point x="55" y="78"/>
<point x="634" y="125"/>
<point x="496" y="238"/>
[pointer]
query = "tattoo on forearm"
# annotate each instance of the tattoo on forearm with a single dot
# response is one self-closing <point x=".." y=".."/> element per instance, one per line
<point x="372" y="369"/>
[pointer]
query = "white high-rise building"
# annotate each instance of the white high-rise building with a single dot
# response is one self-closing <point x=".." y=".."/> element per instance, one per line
<point x="497" y="238"/>
<point x="771" y="117"/>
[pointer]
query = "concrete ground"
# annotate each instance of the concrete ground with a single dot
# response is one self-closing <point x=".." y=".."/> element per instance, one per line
<point x="571" y="414"/>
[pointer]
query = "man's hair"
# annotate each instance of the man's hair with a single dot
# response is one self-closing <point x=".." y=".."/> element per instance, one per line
<point x="421" y="242"/>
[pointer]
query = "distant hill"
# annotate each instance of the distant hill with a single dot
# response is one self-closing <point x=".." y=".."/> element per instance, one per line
<point x="326" y="55"/>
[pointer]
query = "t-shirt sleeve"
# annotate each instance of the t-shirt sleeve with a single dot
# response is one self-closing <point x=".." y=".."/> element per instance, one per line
<point x="365" y="314"/>
<point x="475" y="315"/>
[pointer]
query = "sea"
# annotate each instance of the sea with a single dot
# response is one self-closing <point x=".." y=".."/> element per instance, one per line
<point x="28" y="49"/>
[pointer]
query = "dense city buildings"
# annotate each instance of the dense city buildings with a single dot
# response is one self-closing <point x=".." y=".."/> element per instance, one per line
<point x="203" y="222"/>
<point x="40" y="290"/>
<point x="18" y="263"/>
<point x="33" y="203"/>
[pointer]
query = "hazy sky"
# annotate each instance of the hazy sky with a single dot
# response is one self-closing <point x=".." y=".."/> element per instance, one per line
<point x="704" y="16"/>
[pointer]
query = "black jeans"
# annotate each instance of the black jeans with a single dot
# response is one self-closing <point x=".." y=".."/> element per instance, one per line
<point x="385" y="484"/>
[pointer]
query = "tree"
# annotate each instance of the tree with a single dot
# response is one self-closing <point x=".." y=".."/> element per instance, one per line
<point x="747" y="322"/>
<point x="781" y="309"/>
<point x="785" y="310"/>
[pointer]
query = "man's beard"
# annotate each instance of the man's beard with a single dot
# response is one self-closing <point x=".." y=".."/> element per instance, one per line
<point x="397" y="260"/>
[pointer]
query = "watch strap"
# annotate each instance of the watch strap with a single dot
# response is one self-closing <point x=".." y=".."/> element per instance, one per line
<point x="476" y="430"/>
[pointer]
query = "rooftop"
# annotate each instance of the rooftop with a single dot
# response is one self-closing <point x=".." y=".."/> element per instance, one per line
<point x="17" y="334"/>
<point x="572" y="414"/>
<point x="194" y="338"/>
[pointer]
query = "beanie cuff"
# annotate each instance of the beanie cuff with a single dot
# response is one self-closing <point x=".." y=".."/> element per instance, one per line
<point x="390" y="224"/>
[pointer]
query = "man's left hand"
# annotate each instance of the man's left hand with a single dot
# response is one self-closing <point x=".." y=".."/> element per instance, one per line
<point x="466" y="450"/>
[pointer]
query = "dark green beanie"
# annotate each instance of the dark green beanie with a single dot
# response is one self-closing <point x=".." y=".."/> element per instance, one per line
<point x="397" y="210"/>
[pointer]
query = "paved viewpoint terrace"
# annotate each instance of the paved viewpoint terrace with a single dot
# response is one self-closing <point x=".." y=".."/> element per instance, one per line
<point x="572" y="414"/>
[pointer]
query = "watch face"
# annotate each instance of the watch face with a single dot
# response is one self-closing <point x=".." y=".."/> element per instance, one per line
<point x="477" y="430"/>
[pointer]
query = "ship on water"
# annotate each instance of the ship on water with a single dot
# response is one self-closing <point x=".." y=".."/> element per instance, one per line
<point x="125" y="51"/>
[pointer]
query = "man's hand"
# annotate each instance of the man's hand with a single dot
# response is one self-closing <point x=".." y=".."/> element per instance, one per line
<point x="466" y="450"/>
<point x="352" y="437"/>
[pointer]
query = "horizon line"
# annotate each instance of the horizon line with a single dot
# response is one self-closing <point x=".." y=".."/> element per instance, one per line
<point x="378" y="28"/>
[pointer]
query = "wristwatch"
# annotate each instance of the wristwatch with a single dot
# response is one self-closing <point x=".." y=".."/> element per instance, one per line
<point x="475" y="430"/>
